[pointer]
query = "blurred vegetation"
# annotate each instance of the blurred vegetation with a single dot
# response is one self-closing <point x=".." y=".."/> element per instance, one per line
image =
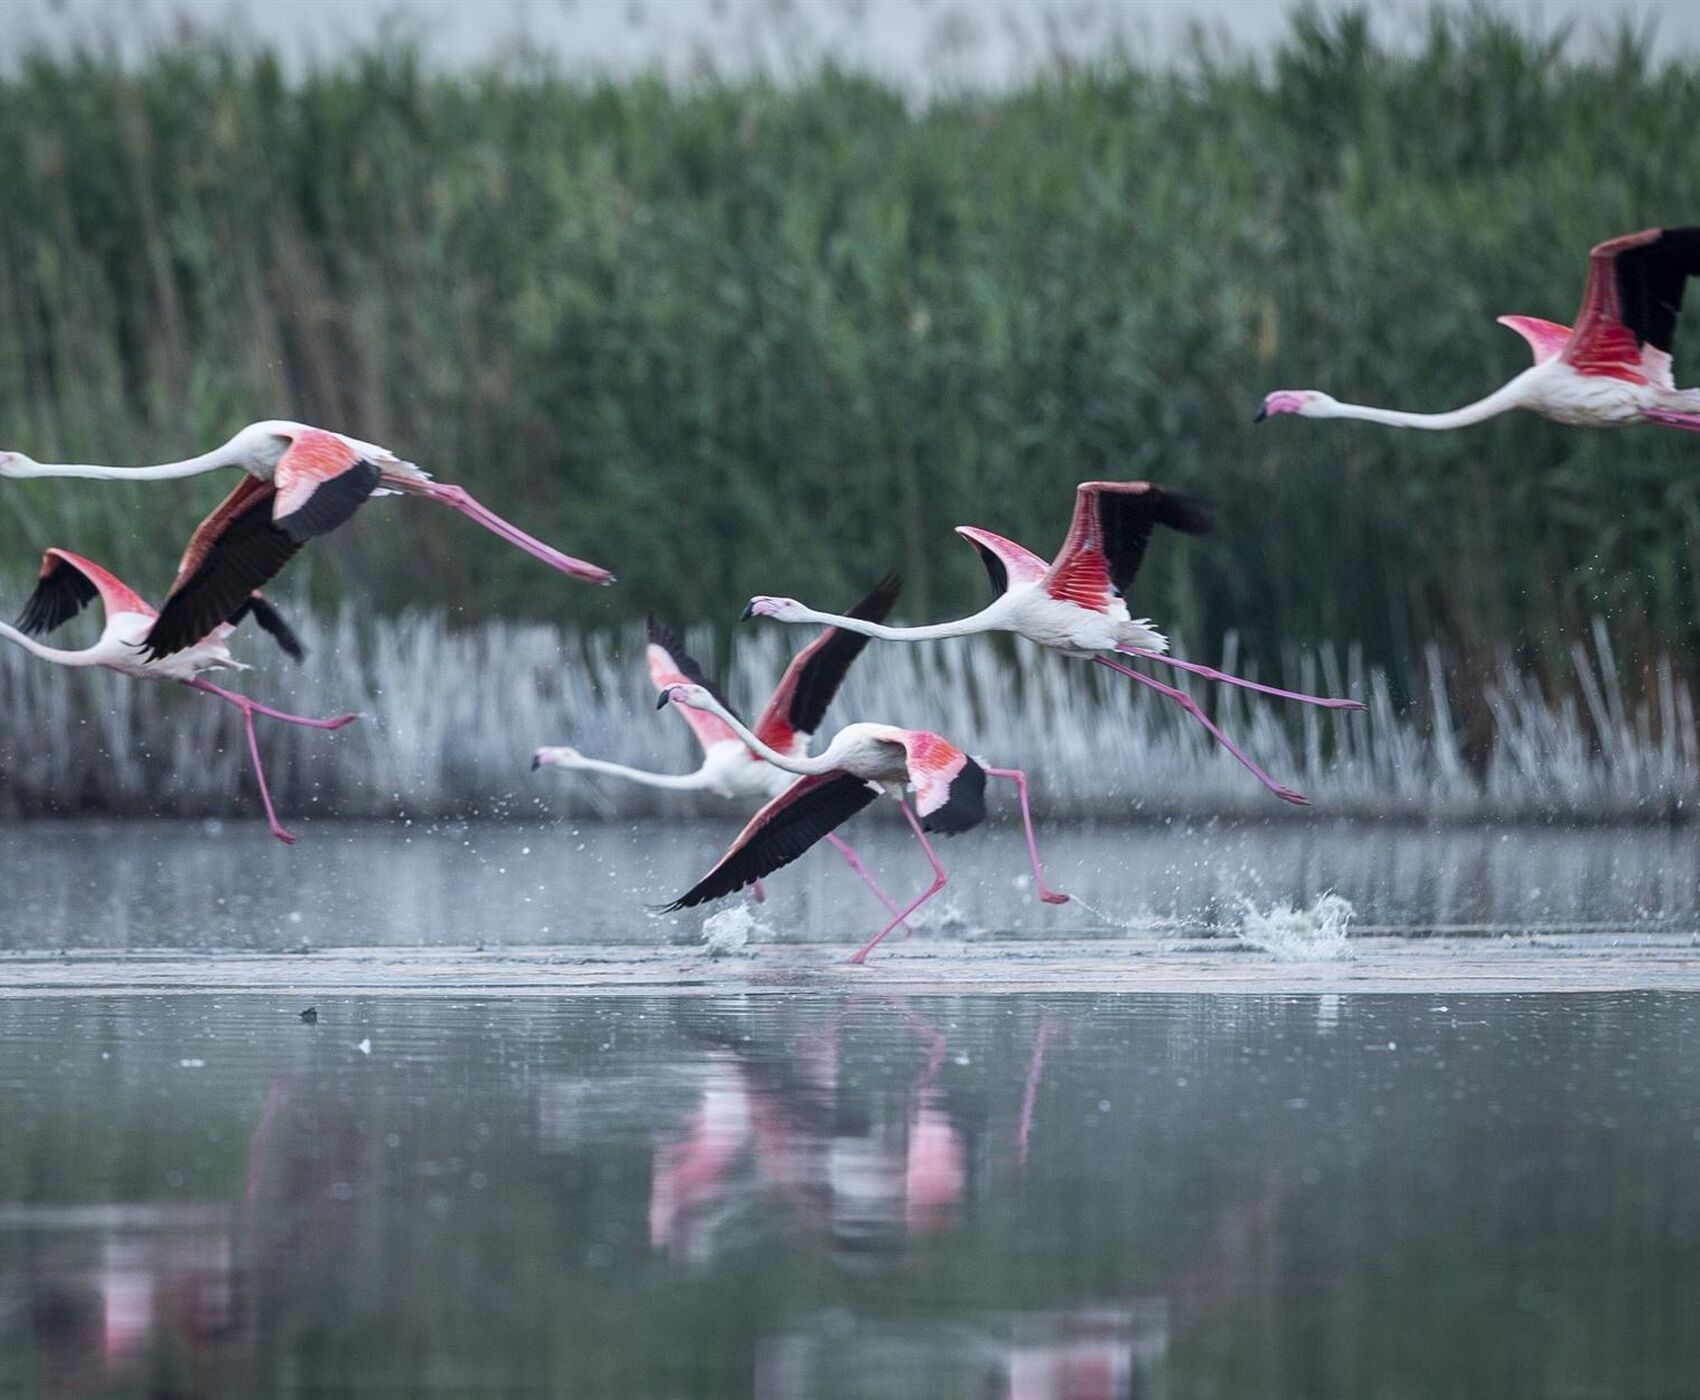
<point x="751" y="337"/>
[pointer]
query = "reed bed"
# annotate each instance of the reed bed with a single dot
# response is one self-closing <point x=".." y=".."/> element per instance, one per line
<point x="748" y="336"/>
<point x="453" y="713"/>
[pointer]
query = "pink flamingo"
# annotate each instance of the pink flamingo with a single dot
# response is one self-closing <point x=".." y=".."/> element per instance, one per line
<point x="1075" y="603"/>
<point x="731" y="769"/>
<point x="69" y="582"/>
<point x="1612" y="368"/>
<point x="862" y="761"/>
<point x="300" y="482"/>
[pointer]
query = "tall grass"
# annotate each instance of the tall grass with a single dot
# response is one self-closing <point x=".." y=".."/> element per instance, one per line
<point x="452" y="715"/>
<point x="744" y="337"/>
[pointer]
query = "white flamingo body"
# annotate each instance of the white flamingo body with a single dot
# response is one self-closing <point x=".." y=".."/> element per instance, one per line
<point x="68" y="582"/>
<point x="862" y="761"/>
<point x="300" y="482"/>
<point x="1613" y="368"/>
<point x="1076" y="603"/>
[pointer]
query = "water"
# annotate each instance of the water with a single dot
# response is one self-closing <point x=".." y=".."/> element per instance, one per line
<point x="594" y="1159"/>
<point x="862" y="1196"/>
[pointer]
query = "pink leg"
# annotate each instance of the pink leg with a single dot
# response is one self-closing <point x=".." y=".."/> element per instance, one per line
<point x="244" y="703"/>
<point x="457" y="498"/>
<point x="1187" y="703"/>
<point x="260" y="776"/>
<point x="1035" y="1068"/>
<point x="1016" y="776"/>
<point x="757" y="893"/>
<point x="861" y="954"/>
<point x="1326" y="702"/>
<point x="854" y="861"/>
<point x="1671" y="418"/>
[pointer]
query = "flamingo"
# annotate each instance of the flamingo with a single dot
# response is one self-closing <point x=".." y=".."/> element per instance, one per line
<point x="861" y="762"/>
<point x="300" y="482"/>
<point x="793" y="713"/>
<point x="1075" y="603"/>
<point x="1612" y="368"/>
<point x="68" y="582"/>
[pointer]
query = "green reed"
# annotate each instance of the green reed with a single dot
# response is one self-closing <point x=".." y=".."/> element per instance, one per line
<point x="748" y="337"/>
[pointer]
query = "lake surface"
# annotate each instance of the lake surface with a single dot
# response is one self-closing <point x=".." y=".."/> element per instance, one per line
<point x="760" y="1176"/>
<point x="852" y="1196"/>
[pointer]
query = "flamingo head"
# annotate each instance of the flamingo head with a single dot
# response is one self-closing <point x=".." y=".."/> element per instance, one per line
<point x="785" y="609"/>
<point x="694" y="697"/>
<point x="1307" y="403"/>
<point x="15" y="464"/>
<point x="561" y="756"/>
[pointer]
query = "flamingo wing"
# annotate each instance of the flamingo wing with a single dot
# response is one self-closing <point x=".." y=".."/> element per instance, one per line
<point x="810" y="682"/>
<point x="233" y="551"/>
<point x="671" y="664"/>
<point x="1112" y="524"/>
<point x="321" y="481"/>
<point x="950" y="787"/>
<point x="269" y="619"/>
<point x="1006" y="562"/>
<point x="780" y="832"/>
<point x="68" y="583"/>
<point x="1627" y="325"/>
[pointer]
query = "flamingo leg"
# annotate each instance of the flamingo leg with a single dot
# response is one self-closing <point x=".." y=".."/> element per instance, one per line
<point x="1030" y="1091"/>
<point x="1326" y="702"/>
<point x="1016" y="776"/>
<point x="458" y="498"/>
<point x="861" y="954"/>
<point x="244" y="703"/>
<point x="1187" y="703"/>
<point x="1671" y="418"/>
<point x="757" y="893"/>
<point x="260" y="775"/>
<point x="854" y="861"/>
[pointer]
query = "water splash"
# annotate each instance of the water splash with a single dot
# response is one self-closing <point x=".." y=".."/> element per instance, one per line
<point x="1316" y="934"/>
<point x="727" y="934"/>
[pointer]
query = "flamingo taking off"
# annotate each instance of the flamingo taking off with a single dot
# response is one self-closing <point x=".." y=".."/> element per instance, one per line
<point x="69" y="582"/>
<point x="1075" y="603"/>
<point x="300" y="482"/>
<point x="730" y="768"/>
<point x="861" y="762"/>
<point x="1612" y="368"/>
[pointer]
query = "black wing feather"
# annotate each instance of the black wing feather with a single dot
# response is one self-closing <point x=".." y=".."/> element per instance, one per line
<point x="1650" y="282"/>
<point x="60" y="595"/>
<point x="270" y="620"/>
<point x="995" y="569"/>
<point x="799" y="825"/>
<point x="248" y="553"/>
<point x="1127" y="519"/>
<point x="966" y="807"/>
<point x="824" y="671"/>
<point x="332" y="502"/>
<point x="689" y="667"/>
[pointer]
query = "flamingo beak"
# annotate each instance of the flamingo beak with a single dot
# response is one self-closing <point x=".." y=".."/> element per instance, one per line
<point x="1261" y="414"/>
<point x="536" y="762"/>
<point x="748" y="612"/>
<point x="663" y="698"/>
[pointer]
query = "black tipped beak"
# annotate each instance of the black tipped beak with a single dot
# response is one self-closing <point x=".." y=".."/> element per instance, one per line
<point x="536" y="762"/>
<point x="748" y="612"/>
<point x="1260" y="415"/>
<point x="661" y="701"/>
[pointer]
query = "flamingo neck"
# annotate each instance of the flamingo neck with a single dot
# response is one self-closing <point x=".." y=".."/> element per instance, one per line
<point x="674" y="782"/>
<point x="961" y="627"/>
<point x="163" y="471"/>
<point x="791" y="763"/>
<point x="1506" y="397"/>
<point x="46" y="653"/>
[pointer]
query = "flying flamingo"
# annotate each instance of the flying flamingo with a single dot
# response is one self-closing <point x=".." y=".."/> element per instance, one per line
<point x="862" y="761"/>
<point x="69" y="582"/>
<point x="730" y="769"/>
<point x="1075" y="603"/>
<point x="1613" y="367"/>
<point x="300" y="482"/>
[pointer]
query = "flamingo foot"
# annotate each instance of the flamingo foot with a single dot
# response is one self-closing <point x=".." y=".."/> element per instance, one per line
<point x="1671" y="418"/>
